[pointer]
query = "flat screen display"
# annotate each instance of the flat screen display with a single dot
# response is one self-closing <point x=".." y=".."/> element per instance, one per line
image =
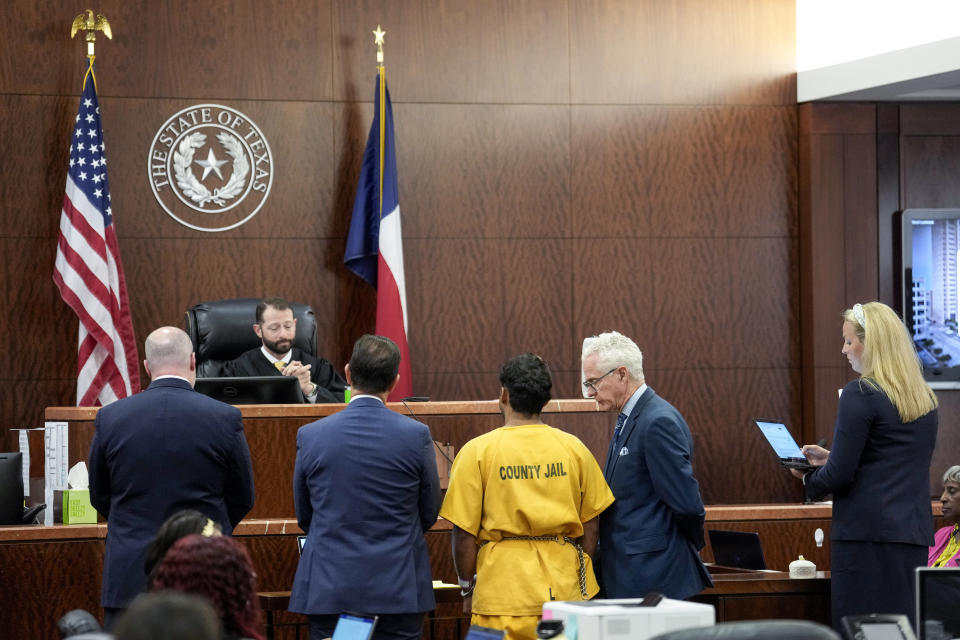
<point x="11" y="488"/>
<point x="252" y="390"/>
<point x="938" y="595"/>
<point x="881" y="631"/>
<point x="931" y="291"/>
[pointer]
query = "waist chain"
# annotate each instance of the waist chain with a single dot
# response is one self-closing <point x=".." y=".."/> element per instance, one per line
<point x="559" y="540"/>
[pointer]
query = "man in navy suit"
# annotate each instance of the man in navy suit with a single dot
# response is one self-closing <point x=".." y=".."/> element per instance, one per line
<point x="365" y="488"/>
<point x="165" y="449"/>
<point x="650" y="538"/>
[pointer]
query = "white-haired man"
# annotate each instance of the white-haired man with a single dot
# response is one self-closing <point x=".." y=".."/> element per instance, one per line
<point x="650" y="538"/>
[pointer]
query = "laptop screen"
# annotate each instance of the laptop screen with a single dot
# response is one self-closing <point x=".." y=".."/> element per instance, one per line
<point x="938" y="603"/>
<point x="476" y="632"/>
<point x="352" y="626"/>
<point x="780" y="439"/>
<point x="737" y="549"/>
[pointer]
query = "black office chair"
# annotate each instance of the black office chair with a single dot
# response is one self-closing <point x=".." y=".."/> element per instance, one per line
<point x="755" y="630"/>
<point x="221" y="330"/>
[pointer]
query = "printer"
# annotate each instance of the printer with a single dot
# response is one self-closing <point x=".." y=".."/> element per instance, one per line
<point x="626" y="618"/>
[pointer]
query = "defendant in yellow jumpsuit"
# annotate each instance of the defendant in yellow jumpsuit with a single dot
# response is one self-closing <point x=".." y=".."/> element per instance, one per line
<point x="529" y="495"/>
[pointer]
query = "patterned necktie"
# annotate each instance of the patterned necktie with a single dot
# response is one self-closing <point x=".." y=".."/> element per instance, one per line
<point x="621" y="420"/>
<point x="280" y="364"/>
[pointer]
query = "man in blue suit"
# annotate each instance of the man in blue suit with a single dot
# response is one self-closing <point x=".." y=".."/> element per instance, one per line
<point x="365" y="488"/>
<point x="165" y="449"/>
<point x="650" y="538"/>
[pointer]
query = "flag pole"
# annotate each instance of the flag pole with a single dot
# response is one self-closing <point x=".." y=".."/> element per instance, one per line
<point x="88" y="271"/>
<point x="378" y="40"/>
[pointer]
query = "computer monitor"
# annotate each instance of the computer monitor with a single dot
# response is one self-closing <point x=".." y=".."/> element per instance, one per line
<point x="252" y="390"/>
<point x="938" y="595"/>
<point x="11" y="488"/>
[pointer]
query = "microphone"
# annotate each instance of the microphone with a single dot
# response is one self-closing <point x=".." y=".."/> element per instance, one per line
<point x="414" y="416"/>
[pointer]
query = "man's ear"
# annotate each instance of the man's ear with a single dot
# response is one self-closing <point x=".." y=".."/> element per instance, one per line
<point x="193" y="361"/>
<point x="257" y="330"/>
<point x="346" y="374"/>
<point x="393" y="385"/>
<point x="147" y="367"/>
<point x="504" y="397"/>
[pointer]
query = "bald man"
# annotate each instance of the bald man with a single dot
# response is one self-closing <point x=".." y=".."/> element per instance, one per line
<point x="165" y="449"/>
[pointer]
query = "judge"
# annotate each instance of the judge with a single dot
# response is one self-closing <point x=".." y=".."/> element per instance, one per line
<point x="276" y="328"/>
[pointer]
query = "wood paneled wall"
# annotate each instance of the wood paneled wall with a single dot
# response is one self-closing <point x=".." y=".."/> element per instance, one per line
<point x="566" y="167"/>
<point x="860" y="164"/>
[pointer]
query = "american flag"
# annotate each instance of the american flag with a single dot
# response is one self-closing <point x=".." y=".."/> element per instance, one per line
<point x="88" y="272"/>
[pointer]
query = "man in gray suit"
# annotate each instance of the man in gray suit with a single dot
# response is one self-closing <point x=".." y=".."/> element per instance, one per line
<point x="370" y="477"/>
<point x="650" y="538"/>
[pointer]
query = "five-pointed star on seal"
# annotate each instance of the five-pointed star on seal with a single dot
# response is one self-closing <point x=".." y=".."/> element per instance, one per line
<point x="211" y="164"/>
<point x="378" y="35"/>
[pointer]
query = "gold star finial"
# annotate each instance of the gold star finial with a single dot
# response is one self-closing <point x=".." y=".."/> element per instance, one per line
<point x="378" y="40"/>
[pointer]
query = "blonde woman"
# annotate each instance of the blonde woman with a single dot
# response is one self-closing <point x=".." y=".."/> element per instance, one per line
<point x="878" y="470"/>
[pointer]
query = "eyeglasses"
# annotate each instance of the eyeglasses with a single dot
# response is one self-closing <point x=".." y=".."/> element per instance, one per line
<point x="592" y="384"/>
<point x="274" y="327"/>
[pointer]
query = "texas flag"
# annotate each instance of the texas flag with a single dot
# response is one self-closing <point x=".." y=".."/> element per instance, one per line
<point x="374" y="245"/>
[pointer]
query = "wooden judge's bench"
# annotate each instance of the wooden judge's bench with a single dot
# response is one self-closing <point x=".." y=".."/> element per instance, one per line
<point x="46" y="571"/>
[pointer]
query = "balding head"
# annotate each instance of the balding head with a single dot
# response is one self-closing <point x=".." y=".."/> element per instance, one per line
<point x="170" y="352"/>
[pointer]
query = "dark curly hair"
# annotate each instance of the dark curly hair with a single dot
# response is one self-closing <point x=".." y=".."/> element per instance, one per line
<point x="219" y="569"/>
<point x="177" y="526"/>
<point x="528" y="381"/>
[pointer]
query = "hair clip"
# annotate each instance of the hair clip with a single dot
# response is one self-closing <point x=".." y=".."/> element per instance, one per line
<point x="858" y="314"/>
<point x="209" y="529"/>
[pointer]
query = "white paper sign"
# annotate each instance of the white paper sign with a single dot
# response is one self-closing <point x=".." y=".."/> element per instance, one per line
<point x="55" y="464"/>
<point x="25" y="458"/>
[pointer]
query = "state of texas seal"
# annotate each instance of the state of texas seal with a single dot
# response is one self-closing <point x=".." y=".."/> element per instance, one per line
<point x="210" y="167"/>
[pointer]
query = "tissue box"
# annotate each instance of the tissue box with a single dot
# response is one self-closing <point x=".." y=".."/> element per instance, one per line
<point x="77" y="508"/>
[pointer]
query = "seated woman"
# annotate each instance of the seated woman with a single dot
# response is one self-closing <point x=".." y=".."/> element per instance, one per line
<point x="945" y="551"/>
<point x="219" y="569"/>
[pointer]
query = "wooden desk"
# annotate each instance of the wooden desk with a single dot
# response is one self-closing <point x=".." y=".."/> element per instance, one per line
<point x="271" y="433"/>
<point x="46" y="571"/>
<point x="276" y="602"/>
<point x="757" y="595"/>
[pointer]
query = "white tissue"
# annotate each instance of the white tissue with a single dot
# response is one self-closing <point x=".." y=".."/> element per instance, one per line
<point x="77" y="477"/>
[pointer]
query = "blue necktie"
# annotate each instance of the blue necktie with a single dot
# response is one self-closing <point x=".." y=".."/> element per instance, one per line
<point x="621" y="420"/>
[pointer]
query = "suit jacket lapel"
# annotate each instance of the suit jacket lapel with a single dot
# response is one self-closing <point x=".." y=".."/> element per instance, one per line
<point x="632" y="419"/>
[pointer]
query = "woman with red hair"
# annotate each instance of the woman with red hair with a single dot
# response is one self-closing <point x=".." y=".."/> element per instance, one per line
<point x="220" y="570"/>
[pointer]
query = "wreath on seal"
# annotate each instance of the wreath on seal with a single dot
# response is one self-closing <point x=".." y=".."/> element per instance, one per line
<point x="196" y="190"/>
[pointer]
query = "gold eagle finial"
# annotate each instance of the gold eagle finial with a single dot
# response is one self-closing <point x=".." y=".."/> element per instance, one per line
<point x="86" y="22"/>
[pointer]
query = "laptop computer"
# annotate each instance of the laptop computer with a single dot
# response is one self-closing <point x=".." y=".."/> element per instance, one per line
<point x="937" y="595"/>
<point x="252" y="389"/>
<point x="783" y="444"/>
<point x="737" y="549"/>
<point x="354" y="626"/>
